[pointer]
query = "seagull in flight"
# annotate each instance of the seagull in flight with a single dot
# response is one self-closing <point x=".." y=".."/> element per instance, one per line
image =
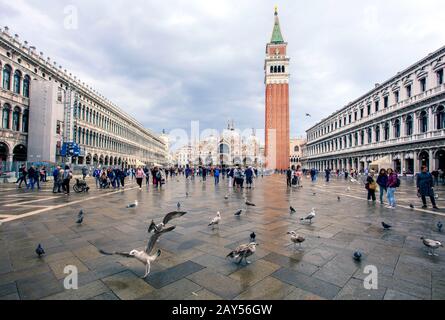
<point x="310" y="216"/>
<point x="215" y="221"/>
<point x="243" y="252"/>
<point x="144" y="256"/>
<point x="169" y="216"/>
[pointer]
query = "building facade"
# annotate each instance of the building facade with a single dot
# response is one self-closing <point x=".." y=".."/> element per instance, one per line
<point x="42" y="106"/>
<point x="296" y="147"/>
<point x="276" y="68"/>
<point x="401" y="120"/>
<point x="230" y="147"/>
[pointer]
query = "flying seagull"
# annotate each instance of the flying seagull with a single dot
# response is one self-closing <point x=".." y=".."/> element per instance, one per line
<point x="252" y="237"/>
<point x="243" y="252"/>
<point x="215" y="221"/>
<point x="386" y="226"/>
<point x="39" y="250"/>
<point x="292" y="210"/>
<point x="238" y="213"/>
<point x="310" y="216"/>
<point x="439" y="226"/>
<point x="133" y="205"/>
<point x="80" y="217"/>
<point x="432" y="245"/>
<point x="169" y="216"/>
<point x="295" y="238"/>
<point x="357" y="256"/>
<point x="143" y="256"/>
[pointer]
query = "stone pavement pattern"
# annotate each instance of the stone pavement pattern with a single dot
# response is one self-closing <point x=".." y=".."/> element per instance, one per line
<point x="193" y="265"/>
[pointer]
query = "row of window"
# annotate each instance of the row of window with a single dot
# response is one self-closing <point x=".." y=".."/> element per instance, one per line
<point x="90" y="138"/>
<point x="81" y="112"/>
<point x="358" y="138"/>
<point x="15" y="125"/>
<point x="17" y="83"/>
<point x="375" y="107"/>
<point x="277" y="69"/>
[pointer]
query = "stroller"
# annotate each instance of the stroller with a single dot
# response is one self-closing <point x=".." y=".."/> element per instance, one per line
<point x="81" y="186"/>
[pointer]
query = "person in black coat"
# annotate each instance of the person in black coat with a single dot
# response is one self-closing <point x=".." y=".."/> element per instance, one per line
<point x="425" y="183"/>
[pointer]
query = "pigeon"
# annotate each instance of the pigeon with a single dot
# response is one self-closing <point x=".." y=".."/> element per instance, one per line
<point x="215" y="221"/>
<point x="133" y="205"/>
<point x="169" y="216"/>
<point x="310" y="216"/>
<point x="238" y="213"/>
<point x="252" y="237"/>
<point x="386" y="226"/>
<point x="80" y="217"/>
<point x="439" y="226"/>
<point x="432" y="245"/>
<point x="338" y="198"/>
<point x="357" y="256"/>
<point x="292" y="210"/>
<point x="143" y="256"/>
<point x="295" y="238"/>
<point x="411" y="206"/>
<point x="248" y="203"/>
<point x="39" y="250"/>
<point x="178" y="206"/>
<point x="243" y="252"/>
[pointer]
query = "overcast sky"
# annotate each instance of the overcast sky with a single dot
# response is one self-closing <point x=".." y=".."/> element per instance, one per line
<point x="169" y="62"/>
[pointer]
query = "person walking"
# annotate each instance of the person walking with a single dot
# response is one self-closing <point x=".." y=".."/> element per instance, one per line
<point x="216" y="175"/>
<point x="371" y="186"/>
<point x="56" y="185"/>
<point x="328" y="174"/>
<point x="425" y="187"/>
<point x="139" y="177"/>
<point x="391" y="185"/>
<point x="382" y="181"/>
<point x="23" y="172"/>
<point x="67" y="176"/>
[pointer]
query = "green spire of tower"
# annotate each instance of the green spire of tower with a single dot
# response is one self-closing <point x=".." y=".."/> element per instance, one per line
<point x="276" y="33"/>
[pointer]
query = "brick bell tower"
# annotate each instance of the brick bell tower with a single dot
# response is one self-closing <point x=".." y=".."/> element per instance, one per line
<point x="276" y="69"/>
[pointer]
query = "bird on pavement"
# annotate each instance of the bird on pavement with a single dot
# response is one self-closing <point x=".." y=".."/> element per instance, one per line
<point x="292" y="210"/>
<point x="133" y="205"/>
<point x="215" y="221"/>
<point x="357" y="256"/>
<point x="39" y="250"/>
<point x="386" y="226"/>
<point x="439" y="226"/>
<point x="296" y="239"/>
<point x="238" y="213"/>
<point x="252" y="237"/>
<point x="80" y="217"/>
<point x="160" y="226"/>
<point x="243" y="252"/>
<point x="310" y="216"/>
<point x="432" y="245"/>
<point x="144" y="256"/>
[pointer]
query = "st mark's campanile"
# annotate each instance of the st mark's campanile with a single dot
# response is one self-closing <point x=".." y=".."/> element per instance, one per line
<point x="276" y="68"/>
